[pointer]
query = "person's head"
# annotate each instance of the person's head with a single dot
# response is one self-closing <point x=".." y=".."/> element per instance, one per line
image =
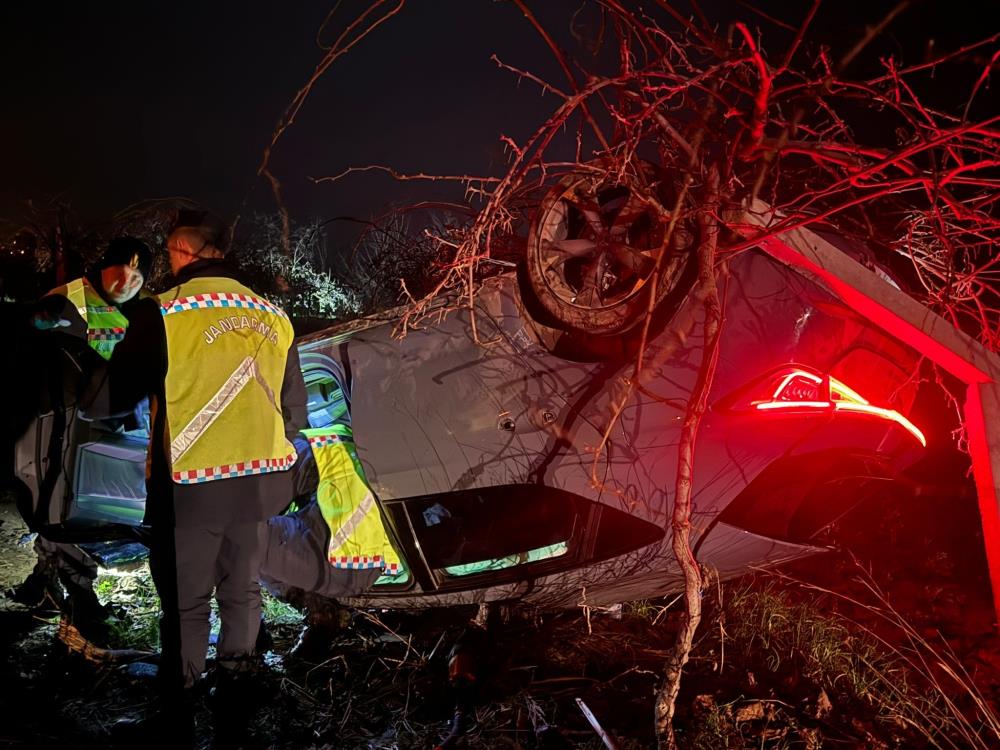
<point x="195" y="235"/>
<point x="123" y="269"/>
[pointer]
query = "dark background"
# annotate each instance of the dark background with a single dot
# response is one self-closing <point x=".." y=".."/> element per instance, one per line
<point x="109" y="103"/>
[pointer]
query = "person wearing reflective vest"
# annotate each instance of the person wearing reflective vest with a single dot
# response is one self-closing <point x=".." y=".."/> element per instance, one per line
<point x="223" y="417"/>
<point x="105" y="324"/>
<point x="358" y="538"/>
<point x="337" y="544"/>
<point x="226" y="396"/>
<point x="88" y="308"/>
<point x="95" y="300"/>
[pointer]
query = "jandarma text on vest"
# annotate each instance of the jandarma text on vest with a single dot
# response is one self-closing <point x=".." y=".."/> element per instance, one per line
<point x="234" y="322"/>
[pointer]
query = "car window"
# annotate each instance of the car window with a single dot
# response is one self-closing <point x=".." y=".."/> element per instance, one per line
<point x="509" y="532"/>
<point x="547" y="552"/>
<point x="109" y="469"/>
<point x="110" y="480"/>
<point x="326" y="402"/>
<point x="492" y="529"/>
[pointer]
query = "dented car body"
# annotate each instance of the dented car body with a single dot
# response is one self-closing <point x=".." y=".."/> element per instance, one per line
<point x="481" y="441"/>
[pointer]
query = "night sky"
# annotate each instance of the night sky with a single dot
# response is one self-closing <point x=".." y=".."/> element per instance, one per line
<point x="112" y="102"/>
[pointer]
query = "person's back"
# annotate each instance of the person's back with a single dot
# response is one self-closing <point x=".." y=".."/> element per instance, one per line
<point x="227" y="347"/>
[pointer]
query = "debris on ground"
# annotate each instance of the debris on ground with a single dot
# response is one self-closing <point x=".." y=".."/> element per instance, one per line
<point x="777" y="664"/>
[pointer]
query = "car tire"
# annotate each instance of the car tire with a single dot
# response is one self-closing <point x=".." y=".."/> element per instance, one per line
<point x="594" y="243"/>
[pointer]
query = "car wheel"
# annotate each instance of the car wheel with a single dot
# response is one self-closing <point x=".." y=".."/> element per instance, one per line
<point x="593" y="248"/>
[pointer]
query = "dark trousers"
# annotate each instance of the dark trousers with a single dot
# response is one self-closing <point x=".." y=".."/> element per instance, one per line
<point x="188" y="563"/>
<point x="296" y="558"/>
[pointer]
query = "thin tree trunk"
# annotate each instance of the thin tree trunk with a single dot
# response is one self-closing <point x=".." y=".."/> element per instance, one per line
<point x="59" y="250"/>
<point x="666" y="696"/>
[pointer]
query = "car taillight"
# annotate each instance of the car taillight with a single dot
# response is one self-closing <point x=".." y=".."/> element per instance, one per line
<point x="800" y="390"/>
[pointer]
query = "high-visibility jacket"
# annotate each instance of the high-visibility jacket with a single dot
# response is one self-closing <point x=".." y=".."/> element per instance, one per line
<point x="105" y="323"/>
<point x="226" y="353"/>
<point x="358" y="537"/>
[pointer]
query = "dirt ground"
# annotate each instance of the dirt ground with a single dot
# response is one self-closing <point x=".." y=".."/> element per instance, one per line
<point x="770" y="669"/>
<point x="17" y="558"/>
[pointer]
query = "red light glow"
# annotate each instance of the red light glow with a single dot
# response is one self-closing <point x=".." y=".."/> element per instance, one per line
<point x="802" y="390"/>
<point x="935" y="338"/>
<point x="794" y="405"/>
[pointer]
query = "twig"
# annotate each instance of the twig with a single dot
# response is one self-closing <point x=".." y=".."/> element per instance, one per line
<point x="609" y="743"/>
<point x="341" y="46"/>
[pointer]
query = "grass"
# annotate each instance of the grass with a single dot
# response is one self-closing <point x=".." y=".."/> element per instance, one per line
<point x="277" y="612"/>
<point x="135" y="624"/>
<point x="774" y="642"/>
<point x="132" y="597"/>
<point x="950" y="712"/>
<point x="713" y="729"/>
<point x="881" y="675"/>
<point x="805" y="639"/>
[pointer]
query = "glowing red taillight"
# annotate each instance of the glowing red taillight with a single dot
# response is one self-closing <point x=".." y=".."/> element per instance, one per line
<point x="801" y="390"/>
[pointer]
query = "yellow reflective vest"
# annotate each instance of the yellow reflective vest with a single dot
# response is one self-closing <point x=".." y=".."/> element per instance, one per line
<point x="358" y="537"/>
<point x="105" y="323"/>
<point x="226" y="353"/>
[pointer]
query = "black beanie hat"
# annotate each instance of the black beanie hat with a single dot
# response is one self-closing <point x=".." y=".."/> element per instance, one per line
<point x="211" y="227"/>
<point x="127" y="251"/>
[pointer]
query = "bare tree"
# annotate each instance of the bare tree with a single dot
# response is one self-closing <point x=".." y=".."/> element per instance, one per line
<point x="299" y="277"/>
<point x="60" y="244"/>
<point x="729" y="127"/>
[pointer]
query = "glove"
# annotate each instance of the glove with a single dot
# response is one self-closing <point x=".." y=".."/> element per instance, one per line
<point x="45" y="323"/>
<point x="48" y="313"/>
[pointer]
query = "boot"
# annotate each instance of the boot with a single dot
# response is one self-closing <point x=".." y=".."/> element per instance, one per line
<point x="234" y="701"/>
<point x="40" y="590"/>
<point x="322" y="626"/>
<point x="264" y="642"/>
<point x="88" y="615"/>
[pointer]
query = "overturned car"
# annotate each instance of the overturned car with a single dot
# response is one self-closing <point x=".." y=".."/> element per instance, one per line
<point x="478" y="433"/>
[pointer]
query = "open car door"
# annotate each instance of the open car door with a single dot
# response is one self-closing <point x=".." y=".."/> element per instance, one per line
<point x="81" y="480"/>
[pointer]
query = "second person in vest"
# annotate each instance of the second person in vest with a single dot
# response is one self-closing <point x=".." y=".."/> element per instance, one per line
<point x="336" y="544"/>
<point x="89" y="308"/>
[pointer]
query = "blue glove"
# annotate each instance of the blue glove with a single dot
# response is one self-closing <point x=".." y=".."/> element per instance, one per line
<point x="43" y="322"/>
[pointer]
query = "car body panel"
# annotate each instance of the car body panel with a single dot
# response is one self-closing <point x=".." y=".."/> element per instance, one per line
<point x="483" y="439"/>
<point x="451" y="408"/>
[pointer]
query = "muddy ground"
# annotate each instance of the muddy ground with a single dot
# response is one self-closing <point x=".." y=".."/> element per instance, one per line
<point x="773" y="666"/>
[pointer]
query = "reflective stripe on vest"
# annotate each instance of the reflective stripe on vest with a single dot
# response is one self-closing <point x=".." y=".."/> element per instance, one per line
<point x="358" y="537"/>
<point x="226" y="353"/>
<point x="105" y="323"/>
